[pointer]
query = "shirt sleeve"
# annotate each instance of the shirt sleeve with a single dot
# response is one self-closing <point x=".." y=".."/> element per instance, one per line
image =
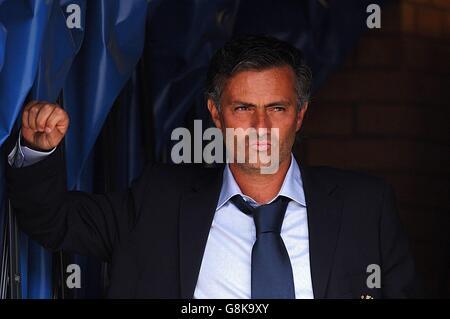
<point x="22" y="156"/>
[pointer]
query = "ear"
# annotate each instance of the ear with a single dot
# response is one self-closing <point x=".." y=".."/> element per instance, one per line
<point x="301" y="115"/>
<point x="215" y="114"/>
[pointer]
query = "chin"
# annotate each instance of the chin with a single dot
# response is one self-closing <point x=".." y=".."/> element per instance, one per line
<point x="254" y="167"/>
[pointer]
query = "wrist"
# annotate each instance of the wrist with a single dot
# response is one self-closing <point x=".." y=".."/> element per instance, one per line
<point x="24" y="142"/>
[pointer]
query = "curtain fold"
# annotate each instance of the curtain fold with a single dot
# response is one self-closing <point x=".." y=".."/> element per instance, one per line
<point x="111" y="48"/>
<point x="119" y="107"/>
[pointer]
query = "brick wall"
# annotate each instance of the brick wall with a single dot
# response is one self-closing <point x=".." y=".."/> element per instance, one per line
<point x="386" y="112"/>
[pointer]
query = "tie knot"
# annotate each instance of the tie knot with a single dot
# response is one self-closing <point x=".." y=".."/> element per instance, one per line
<point x="268" y="218"/>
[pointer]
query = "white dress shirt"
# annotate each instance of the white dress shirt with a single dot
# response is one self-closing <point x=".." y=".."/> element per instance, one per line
<point x="22" y="156"/>
<point x="226" y="266"/>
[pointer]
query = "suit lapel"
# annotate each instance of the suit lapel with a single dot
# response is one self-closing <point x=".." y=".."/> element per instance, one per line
<point x="197" y="209"/>
<point x="324" y="209"/>
<point x="196" y="215"/>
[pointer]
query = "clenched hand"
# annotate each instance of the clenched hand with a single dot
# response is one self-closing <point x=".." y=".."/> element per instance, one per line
<point x="43" y="125"/>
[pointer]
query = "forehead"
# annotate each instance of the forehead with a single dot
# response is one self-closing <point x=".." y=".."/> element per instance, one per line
<point x="263" y="86"/>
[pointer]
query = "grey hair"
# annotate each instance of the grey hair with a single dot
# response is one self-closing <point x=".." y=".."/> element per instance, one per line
<point x="256" y="53"/>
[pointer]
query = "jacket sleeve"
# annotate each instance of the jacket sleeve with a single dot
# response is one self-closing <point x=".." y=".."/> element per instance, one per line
<point x="79" y="222"/>
<point x="398" y="273"/>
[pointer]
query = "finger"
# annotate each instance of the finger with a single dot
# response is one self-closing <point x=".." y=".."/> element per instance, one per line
<point x="32" y="113"/>
<point x="58" y="120"/>
<point x="25" y="119"/>
<point x="25" y="114"/>
<point x="44" y="112"/>
<point x="30" y="104"/>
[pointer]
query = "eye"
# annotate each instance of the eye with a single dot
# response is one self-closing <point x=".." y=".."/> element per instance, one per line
<point x="241" y="108"/>
<point x="278" y="108"/>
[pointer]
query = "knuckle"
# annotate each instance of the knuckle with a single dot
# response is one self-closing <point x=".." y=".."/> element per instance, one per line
<point x="61" y="113"/>
<point x="30" y="104"/>
<point x="40" y="125"/>
<point x="41" y="120"/>
<point x="47" y="107"/>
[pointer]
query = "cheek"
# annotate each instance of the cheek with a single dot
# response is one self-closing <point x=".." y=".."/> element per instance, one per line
<point x="288" y="131"/>
<point x="235" y="121"/>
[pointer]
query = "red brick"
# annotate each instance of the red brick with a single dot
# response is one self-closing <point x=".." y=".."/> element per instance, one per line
<point x="399" y="17"/>
<point x="390" y="19"/>
<point x="403" y="121"/>
<point x="402" y="52"/>
<point x="430" y="22"/>
<point x="416" y="2"/>
<point x="422" y="190"/>
<point x="385" y="86"/>
<point x="323" y="120"/>
<point x="426" y="55"/>
<point x="446" y="26"/>
<point x="443" y="4"/>
<point x="408" y="17"/>
<point x="378" y="154"/>
<point x="379" y="51"/>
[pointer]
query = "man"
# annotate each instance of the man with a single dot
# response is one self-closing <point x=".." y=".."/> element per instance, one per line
<point x="227" y="232"/>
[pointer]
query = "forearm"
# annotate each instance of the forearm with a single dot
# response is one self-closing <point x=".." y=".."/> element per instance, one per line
<point x="23" y="156"/>
<point x="36" y="191"/>
<point x="87" y="224"/>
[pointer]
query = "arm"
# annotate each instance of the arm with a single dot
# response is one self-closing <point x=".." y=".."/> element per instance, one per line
<point x="89" y="224"/>
<point x="398" y="278"/>
<point x="22" y="156"/>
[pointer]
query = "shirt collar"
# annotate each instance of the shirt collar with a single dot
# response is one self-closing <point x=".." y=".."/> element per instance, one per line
<point x="292" y="186"/>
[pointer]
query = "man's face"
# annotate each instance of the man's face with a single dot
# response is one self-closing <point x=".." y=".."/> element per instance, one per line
<point x="263" y="99"/>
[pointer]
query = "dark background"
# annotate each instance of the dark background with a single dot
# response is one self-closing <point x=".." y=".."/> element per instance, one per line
<point x="384" y="110"/>
<point x="380" y="105"/>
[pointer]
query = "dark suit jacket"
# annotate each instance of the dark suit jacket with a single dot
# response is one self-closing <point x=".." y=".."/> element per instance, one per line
<point x="154" y="234"/>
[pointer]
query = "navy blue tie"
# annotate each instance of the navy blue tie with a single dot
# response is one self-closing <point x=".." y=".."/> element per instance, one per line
<point x="271" y="267"/>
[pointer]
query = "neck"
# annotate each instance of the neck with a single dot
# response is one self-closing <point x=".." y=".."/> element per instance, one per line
<point x="261" y="187"/>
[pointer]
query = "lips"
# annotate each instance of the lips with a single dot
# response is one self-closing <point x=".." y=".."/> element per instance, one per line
<point x="260" y="146"/>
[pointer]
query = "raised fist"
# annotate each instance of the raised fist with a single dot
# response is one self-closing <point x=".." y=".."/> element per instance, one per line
<point x="43" y="125"/>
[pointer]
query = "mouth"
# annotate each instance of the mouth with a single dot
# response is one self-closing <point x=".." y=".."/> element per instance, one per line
<point x="260" y="146"/>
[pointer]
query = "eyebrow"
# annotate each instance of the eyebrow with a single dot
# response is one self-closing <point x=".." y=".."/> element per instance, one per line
<point x="281" y="102"/>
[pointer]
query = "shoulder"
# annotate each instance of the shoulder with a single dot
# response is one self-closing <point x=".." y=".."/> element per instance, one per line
<point x="351" y="181"/>
<point x="366" y="197"/>
<point x="179" y="176"/>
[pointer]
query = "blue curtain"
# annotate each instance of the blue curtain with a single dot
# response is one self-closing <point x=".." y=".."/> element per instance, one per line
<point x="60" y="45"/>
<point x="121" y="108"/>
<point x="2" y="45"/>
<point x="111" y="48"/>
<point x="24" y="22"/>
<point x="42" y="56"/>
<point x="182" y="37"/>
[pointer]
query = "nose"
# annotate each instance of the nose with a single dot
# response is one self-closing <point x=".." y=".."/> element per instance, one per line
<point x="261" y="120"/>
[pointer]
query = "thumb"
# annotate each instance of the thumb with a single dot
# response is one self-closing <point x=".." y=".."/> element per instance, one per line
<point x="57" y="124"/>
